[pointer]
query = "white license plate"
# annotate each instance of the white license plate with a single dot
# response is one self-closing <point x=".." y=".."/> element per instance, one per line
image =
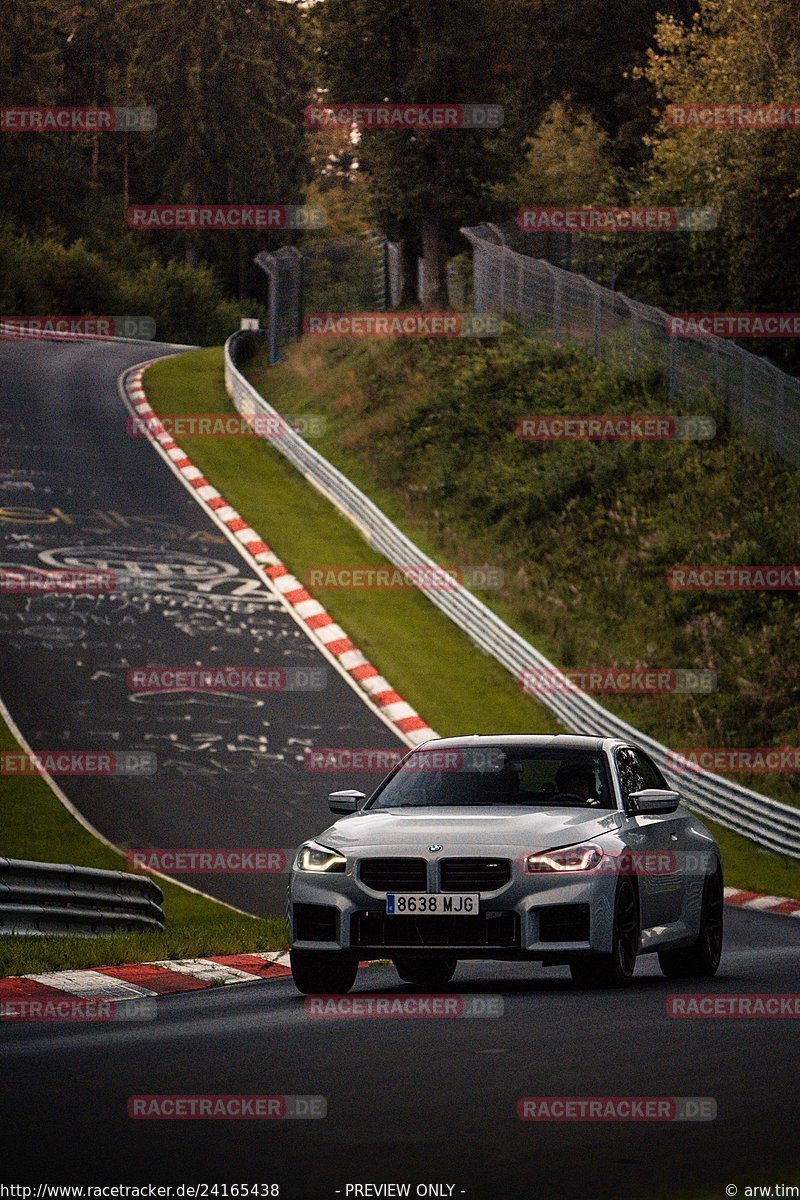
<point x="427" y="904"/>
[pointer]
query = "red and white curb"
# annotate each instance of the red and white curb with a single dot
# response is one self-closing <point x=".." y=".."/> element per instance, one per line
<point x="167" y="977"/>
<point x="770" y="904"/>
<point x="320" y="626"/>
<point x="136" y="980"/>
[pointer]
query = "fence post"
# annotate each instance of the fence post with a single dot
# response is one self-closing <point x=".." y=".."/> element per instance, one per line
<point x="717" y="385"/>
<point x="497" y="231"/>
<point x="673" y="366"/>
<point x="598" y="314"/>
<point x="557" y="307"/>
<point x="747" y="375"/>
<point x="382" y="276"/>
<point x="284" y="270"/>
<point x="780" y="413"/>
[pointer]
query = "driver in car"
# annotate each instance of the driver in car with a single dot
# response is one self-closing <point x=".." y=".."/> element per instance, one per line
<point x="579" y="780"/>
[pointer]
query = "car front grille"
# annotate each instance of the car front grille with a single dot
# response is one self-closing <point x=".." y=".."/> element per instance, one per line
<point x="375" y="930"/>
<point x="474" y="874"/>
<point x="395" y="874"/>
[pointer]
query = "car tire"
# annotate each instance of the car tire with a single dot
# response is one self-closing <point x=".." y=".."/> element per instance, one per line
<point x="616" y="969"/>
<point x="701" y="959"/>
<point x="434" y="972"/>
<point x="316" y="974"/>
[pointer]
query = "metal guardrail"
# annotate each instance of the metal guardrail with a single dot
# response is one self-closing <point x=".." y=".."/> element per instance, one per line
<point x="57" y="899"/>
<point x="765" y="821"/>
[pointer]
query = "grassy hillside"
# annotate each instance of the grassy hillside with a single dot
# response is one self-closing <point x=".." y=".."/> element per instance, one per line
<point x="584" y="532"/>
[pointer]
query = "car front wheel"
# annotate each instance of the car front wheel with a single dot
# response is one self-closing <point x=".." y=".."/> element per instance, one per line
<point x="434" y="972"/>
<point x="615" y="969"/>
<point x="321" y="974"/>
<point x="700" y="960"/>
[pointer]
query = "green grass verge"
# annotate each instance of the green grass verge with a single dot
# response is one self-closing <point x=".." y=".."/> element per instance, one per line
<point x="430" y="662"/>
<point x="454" y="686"/>
<point x="37" y="826"/>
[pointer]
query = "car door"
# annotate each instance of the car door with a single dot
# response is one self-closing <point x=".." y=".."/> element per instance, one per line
<point x="655" y="841"/>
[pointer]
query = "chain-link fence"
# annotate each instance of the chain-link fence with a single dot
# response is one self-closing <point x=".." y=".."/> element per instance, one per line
<point x="345" y="274"/>
<point x="355" y="273"/>
<point x="762" y="401"/>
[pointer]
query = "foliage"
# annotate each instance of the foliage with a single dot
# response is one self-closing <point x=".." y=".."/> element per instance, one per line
<point x="736" y="51"/>
<point x="567" y="161"/>
<point x="584" y="532"/>
<point x="45" y="277"/>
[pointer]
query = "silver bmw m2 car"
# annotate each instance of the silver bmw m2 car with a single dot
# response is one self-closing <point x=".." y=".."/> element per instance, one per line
<point x="559" y="850"/>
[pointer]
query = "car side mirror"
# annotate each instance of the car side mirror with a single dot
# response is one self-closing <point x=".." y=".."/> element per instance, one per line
<point x="348" y="801"/>
<point x="649" y="802"/>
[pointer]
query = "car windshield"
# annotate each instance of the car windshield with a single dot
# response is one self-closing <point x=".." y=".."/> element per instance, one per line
<point x="495" y="775"/>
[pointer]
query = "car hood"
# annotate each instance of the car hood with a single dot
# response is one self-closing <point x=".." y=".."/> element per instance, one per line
<point x="477" y="830"/>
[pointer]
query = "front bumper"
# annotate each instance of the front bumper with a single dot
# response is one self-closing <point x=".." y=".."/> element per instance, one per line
<point x="538" y="917"/>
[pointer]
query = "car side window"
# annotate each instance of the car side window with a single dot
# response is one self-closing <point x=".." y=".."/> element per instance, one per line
<point x="637" y="772"/>
<point x="651" y="772"/>
<point x="631" y="778"/>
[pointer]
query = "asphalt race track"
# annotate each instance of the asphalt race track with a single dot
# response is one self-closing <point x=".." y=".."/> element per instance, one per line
<point x="423" y="1101"/>
<point x="409" y="1101"/>
<point x="77" y="492"/>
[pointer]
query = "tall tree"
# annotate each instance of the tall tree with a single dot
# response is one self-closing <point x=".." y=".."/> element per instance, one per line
<point x="747" y="52"/>
<point x="230" y="79"/>
<point x="425" y="183"/>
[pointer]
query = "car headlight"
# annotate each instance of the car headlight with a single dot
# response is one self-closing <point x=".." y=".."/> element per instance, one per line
<point x="319" y="859"/>
<point x="584" y="857"/>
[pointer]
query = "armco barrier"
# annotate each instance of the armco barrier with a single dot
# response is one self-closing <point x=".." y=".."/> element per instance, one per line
<point x="57" y="899"/>
<point x="771" y="824"/>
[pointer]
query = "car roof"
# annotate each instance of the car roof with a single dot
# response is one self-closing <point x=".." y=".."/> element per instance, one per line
<point x="554" y="741"/>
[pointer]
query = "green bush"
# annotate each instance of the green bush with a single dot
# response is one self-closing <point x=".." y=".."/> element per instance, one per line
<point x="44" y="277"/>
